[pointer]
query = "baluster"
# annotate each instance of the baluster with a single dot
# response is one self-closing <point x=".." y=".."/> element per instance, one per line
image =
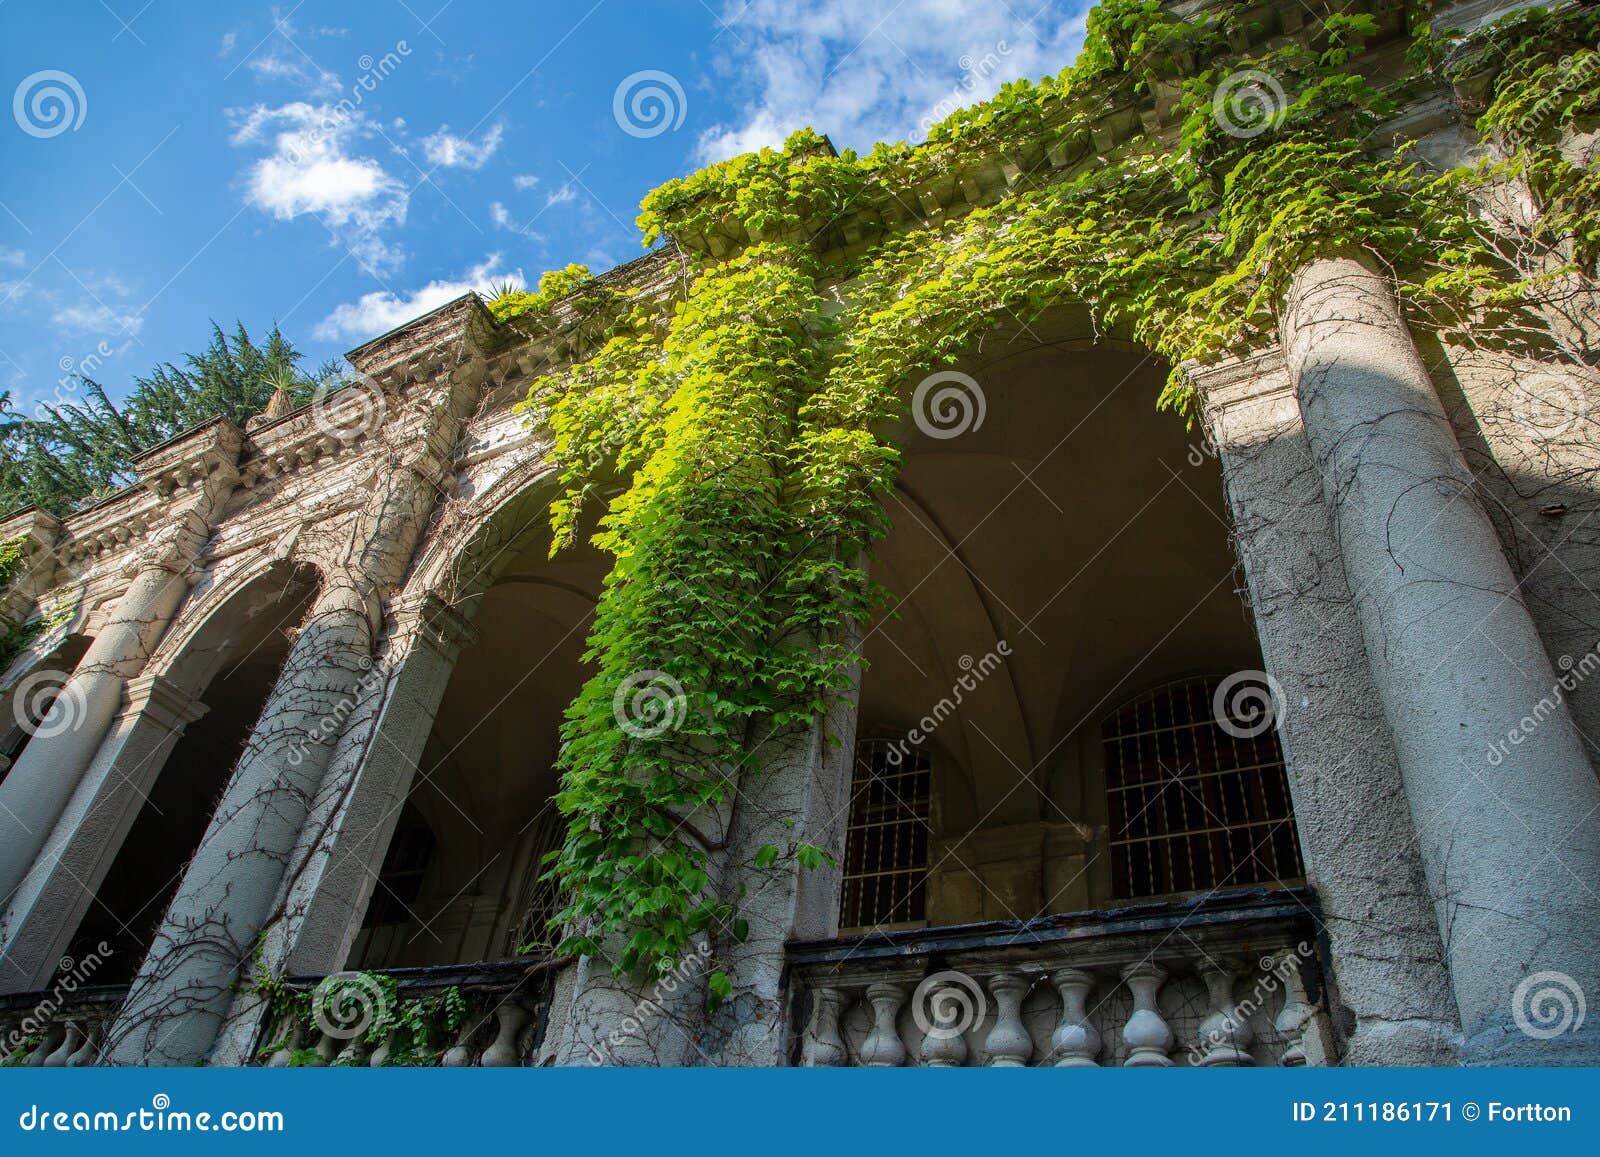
<point x="380" y="1055"/>
<point x="883" y="1047"/>
<point x="459" y="1055"/>
<point x="1296" y="1013"/>
<point x="10" y="1049"/>
<point x="1224" y="1035"/>
<point x="1075" y="1042"/>
<point x="354" y="1053"/>
<point x="952" y="1009"/>
<point x="823" y="1044"/>
<point x="328" y="1047"/>
<point x="70" y="1041"/>
<point x="1009" y="1046"/>
<point x="510" y="1018"/>
<point x="1147" y="1035"/>
<point x="292" y="1033"/>
<point x="52" y="1037"/>
<point x="87" y="1052"/>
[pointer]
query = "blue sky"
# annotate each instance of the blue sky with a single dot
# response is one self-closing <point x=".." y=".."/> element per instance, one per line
<point x="340" y="167"/>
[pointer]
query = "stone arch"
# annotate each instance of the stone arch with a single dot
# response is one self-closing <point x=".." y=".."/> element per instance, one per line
<point x="1073" y="524"/>
<point x="145" y="802"/>
<point x="480" y="769"/>
<point x="34" y="678"/>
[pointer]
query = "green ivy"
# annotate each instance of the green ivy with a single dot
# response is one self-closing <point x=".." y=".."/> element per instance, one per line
<point x="732" y="435"/>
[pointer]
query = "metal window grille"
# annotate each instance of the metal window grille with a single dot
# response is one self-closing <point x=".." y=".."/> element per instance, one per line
<point x="886" y="843"/>
<point x="1193" y="807"/>
<point x="541" y="896"/>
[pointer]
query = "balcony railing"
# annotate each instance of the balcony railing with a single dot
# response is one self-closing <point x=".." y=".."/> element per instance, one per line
<point x="1231" y="980"/>
<point x="485" y="1015"/>
<point x="61" y="1027"/>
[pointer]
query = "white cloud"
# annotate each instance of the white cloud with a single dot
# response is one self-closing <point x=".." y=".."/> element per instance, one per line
<point x="560" y="196"/>
<point x="524" y="181"/>
<point x="446" y="150"/>
<point x="313" y="168"/>
<point x="846" y="70"/>
<point x="376" y="313"/>
<point x="501" y="217"/>
<point x="229" y="39"/>
<point x="284" y="60"/>
<point x="15" y="258"/>
<point x="97" y="319"/>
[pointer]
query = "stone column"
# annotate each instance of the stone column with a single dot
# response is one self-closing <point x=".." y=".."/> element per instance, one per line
<point x="799" y="794"/>
<point x="1393" y="1003"/>
<point x="179" y="1000"/>
<point x="51" y="901"/>
<point x="198" y="474"/>
<point x="1505" y="803"/>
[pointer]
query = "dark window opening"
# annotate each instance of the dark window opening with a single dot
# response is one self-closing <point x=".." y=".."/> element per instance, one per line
<point x="886" y="843"/>
<point x="1194" y="806"/>
<point x="400" y="879"/>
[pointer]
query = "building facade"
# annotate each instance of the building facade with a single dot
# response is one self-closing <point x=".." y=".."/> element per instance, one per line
<point x="1268" y="741"/>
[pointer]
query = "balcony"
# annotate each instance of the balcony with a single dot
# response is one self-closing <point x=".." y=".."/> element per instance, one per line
<point x="1233" y="979"/>
<point x="62" y="1027"/>
<point x="486" y="1015"/>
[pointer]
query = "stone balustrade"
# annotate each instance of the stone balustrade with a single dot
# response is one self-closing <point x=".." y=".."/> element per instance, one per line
<point x="486" y="1015"/>
<point x="1231" y="980"/>
<point x="58" y="1028"/>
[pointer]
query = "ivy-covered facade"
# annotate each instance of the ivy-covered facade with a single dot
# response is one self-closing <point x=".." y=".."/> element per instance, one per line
<point x="619" y="621"/>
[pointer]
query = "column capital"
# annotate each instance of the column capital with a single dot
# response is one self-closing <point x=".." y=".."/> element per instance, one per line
<point x="444" y="628"/>
<point x="163" y="701"/>
<point x="1245" y="400"/>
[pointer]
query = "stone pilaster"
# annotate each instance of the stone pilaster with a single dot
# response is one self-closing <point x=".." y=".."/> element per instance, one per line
<point x="195" y="475"/>
<point x="1356" y="835"/>
<point x="1505" y="803"/>
<point x="181" y="997"/>
<point x="343" y="843"/>
<point x="52" y="899"/>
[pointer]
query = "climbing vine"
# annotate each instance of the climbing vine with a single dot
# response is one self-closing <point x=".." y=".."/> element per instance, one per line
<point x="729" y="439"/>
<point x="14" y="635"/>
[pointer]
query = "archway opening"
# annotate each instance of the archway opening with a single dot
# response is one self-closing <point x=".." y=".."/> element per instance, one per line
<point x="462" y="878"/>
<point x="27" y="700"/>
<point x="1058" y="549"/>
<point x="231" y="667"/>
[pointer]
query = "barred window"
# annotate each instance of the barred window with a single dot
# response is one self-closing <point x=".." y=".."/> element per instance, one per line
<point x="541" y="895"/>
<point x="886" y="844"/>
<point x="1194" y="806"/>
